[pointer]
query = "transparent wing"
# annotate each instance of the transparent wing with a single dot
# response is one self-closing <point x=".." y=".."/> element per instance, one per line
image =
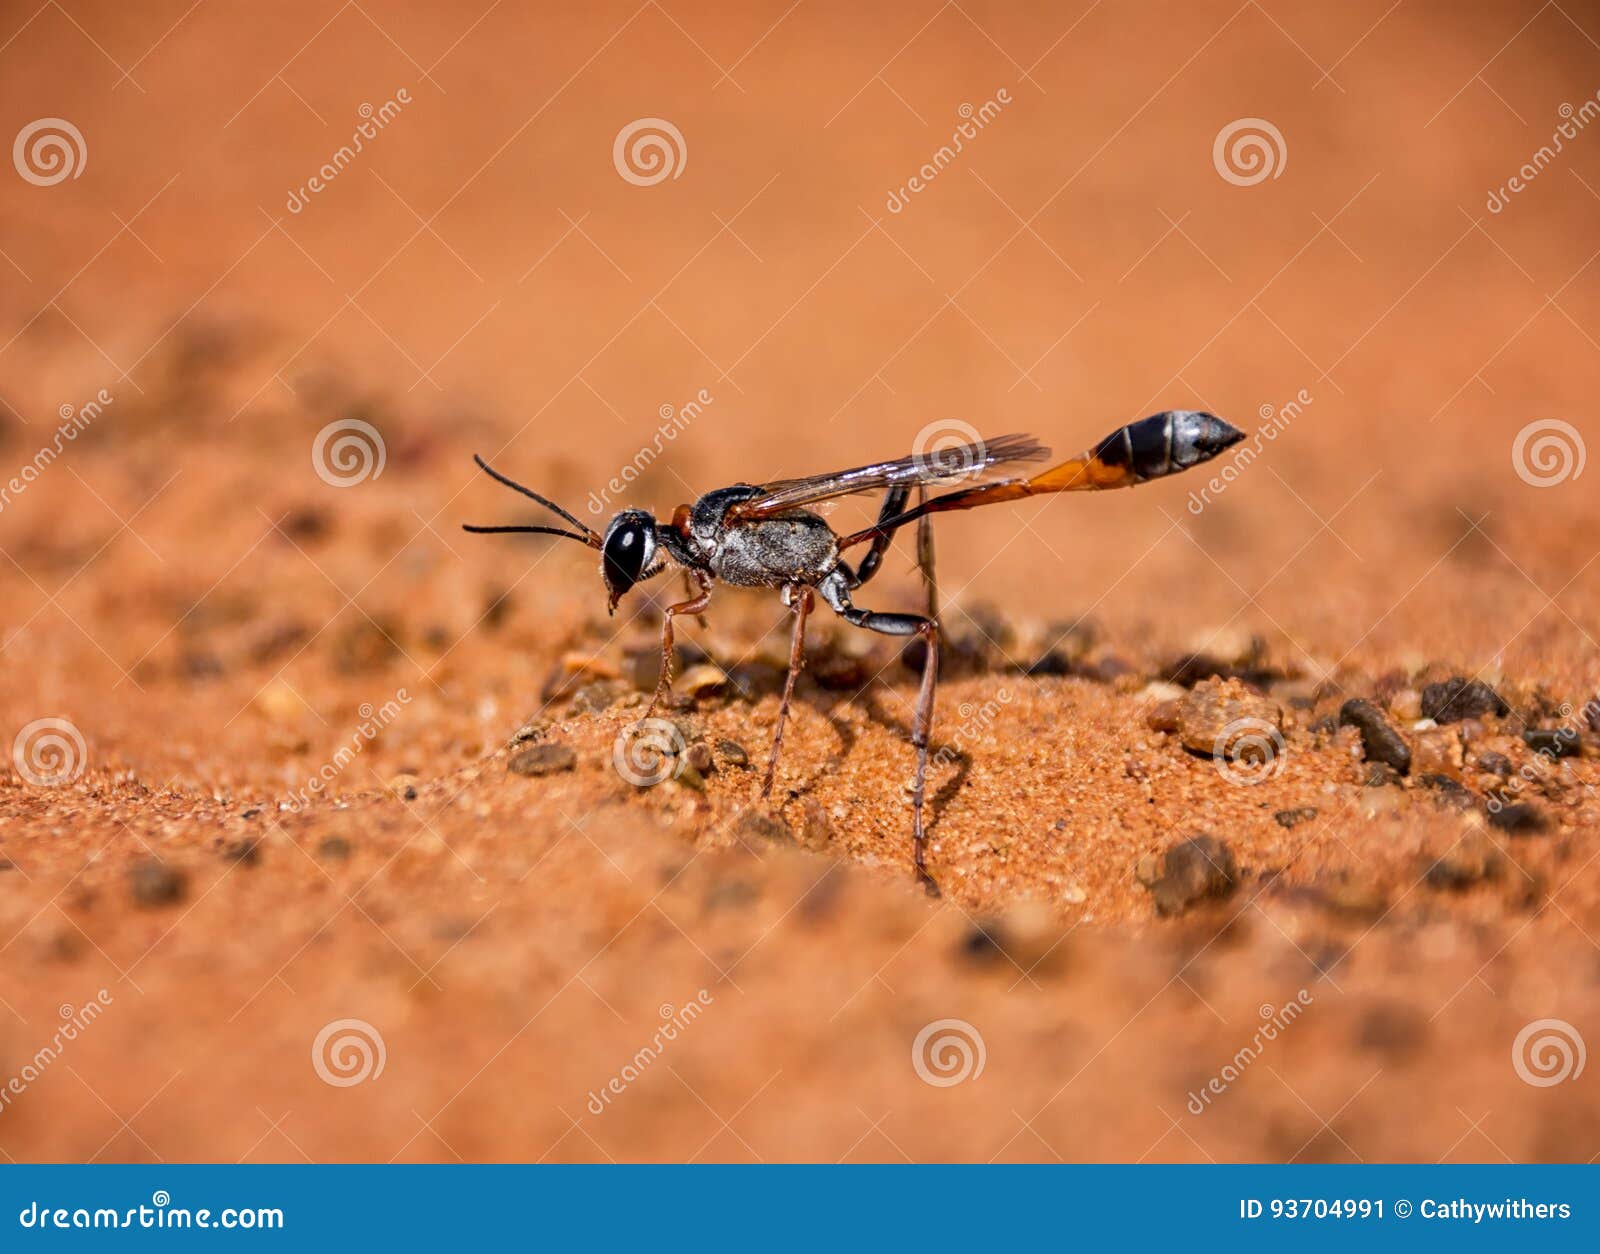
<point x="954" y="464"/>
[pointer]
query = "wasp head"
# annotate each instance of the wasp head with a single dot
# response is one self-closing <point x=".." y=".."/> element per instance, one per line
<point x="628" y="552"/>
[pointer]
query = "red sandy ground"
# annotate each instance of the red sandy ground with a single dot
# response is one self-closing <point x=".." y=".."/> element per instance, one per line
<point x="212" y="616"/>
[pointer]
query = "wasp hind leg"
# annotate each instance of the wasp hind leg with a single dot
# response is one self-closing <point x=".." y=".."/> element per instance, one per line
<point x="800" y="599"/>
<point x="836" y="592"/>
<point x="930" y="582"/>
<point x="894" y="501"/>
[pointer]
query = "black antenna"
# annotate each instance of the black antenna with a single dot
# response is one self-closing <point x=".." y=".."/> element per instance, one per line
<point x="545" y="531"/>
<point x="589" y="537"/>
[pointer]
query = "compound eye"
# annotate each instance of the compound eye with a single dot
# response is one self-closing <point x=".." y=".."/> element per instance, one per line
<point x="626" y="553"/>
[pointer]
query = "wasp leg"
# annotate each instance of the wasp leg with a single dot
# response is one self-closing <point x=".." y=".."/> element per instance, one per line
<point x="930" y="582"/>
<point x="692" y="606"/>
<point x="893" y="502"/>
<point x="688" y="587"/>
<point x="836" y="593"/>
<point x="800" y="603"/>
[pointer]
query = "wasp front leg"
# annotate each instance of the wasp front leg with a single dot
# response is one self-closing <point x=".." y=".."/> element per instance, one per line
<point x="688" y="587"/>
<point x="694" y="605"/>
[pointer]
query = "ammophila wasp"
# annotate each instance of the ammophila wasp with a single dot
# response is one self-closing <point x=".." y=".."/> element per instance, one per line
<point x="765" y="536"/>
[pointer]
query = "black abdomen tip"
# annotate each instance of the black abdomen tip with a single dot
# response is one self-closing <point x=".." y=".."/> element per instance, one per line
<point x="1198" y="437"/>
<point x="1166" y="443"/>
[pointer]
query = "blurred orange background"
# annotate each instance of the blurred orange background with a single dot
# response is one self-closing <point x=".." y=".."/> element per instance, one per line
<point x="1080" y="264"/>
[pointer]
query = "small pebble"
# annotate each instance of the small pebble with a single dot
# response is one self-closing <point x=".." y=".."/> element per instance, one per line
<point x="733" y="753"/>
<point x="1289" y="818"/>
<point x="1520" y="818"/>
<point x="1437" y="751"/>
<point x="1406" y="705"/>
<point x="1494" y="763"/>
<point x="1447" y="792"/>
<point x="698" y="757"/>
<point x="1212" y="713"/>
<point x="760" y="825"/>
<point x="1459" y="698"/>
<point x="1379" y="740"/>
<point x="542" y="760"/>
<point x="533" y="729"/>
<point x="1163" y="717"/>
<point x="153" y="883"/>
<point x="1193" y="870"/>
<point x="595" y="698"/>
<point x="1555" y="742"/>
<point x="702" y="680"/>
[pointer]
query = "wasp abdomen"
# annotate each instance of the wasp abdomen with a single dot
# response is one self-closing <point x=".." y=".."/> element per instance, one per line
<point x="1166" y="443"/>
